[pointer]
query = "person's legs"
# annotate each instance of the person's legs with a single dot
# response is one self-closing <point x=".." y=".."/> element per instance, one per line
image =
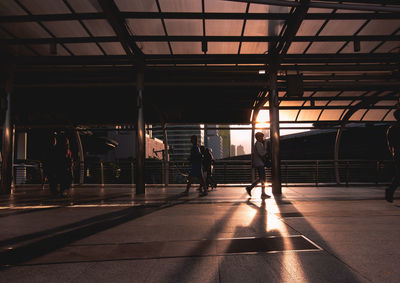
<point x="263" y="178"/>
<point x="189" y="182"/>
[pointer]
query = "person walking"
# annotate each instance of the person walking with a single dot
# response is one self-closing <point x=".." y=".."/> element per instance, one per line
<point x="393" y="142"/>
<point x="208" y="163"/>
<point x="196" y="171"/>
<point x="259" y="157"/>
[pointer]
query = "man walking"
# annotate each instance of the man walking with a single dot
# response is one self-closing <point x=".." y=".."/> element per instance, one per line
<point x="259" y="156"/>
<point x="196" y="171"/>
<point x="393" y="142"/>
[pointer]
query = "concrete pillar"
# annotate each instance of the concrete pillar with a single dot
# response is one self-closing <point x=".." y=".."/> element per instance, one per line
<point x="21" y="150"/>
<point x="141" y="138"/>
<point x="253" y="132"/>
<point x="81" y="156"/>
<point x="166" y="155"/>
<point x="336" y="154"/>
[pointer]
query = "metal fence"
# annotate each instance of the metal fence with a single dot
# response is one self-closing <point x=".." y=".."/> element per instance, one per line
<point x="314" y="172"/>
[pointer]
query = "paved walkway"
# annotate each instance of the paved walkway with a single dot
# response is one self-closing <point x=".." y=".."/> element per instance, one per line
<point x="109" y="234"/>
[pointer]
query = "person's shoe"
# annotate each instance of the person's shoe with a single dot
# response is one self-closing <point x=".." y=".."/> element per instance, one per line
<point x="264" y="195"/>
<point x="248" y="190"/>
<point x="185" y="192"/>
<point x="388" y="195"/>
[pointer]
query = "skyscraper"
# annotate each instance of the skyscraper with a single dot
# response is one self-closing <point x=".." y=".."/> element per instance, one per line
<point x="233" y="150"/>
<point x="240" y="150"/>
<point x="226" y="142"/>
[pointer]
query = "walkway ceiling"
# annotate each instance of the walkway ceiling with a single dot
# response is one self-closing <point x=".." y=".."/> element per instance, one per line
<point x="76" y="61"/>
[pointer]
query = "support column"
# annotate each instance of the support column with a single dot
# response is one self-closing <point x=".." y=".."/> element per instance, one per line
<point x="336" y="154"/>
<point x="166" y="156"/>
<point x="274" y="133"/>
<point x="253" y="132"/>
<point x="7" y="150"/>
<point x="21" y="146"/>
<point x="141" y="138"/>
<point x="81" y="155"/>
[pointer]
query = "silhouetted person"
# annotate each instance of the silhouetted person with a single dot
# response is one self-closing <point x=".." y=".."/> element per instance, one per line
<point x="196" y="171"/>
<point x="259" y="156"/>
<point x="208" y="163"/>
<point x="59" y="165"/>
<point x="393" y="142"/>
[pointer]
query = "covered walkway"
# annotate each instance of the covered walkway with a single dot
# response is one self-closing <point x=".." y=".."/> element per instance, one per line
<point x="111" y="234"/>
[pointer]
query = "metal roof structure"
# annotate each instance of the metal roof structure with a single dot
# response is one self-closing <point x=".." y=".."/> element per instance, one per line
<point x="76" y="61"/>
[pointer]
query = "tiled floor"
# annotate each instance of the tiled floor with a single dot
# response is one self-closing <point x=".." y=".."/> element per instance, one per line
<point x="109" y="234"/>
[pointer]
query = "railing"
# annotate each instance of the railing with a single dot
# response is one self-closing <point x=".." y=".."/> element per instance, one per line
<point x="313" y="172"/>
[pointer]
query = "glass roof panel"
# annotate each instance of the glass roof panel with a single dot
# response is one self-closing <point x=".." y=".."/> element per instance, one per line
<point x="99" y="27"/>
<point x="180" y="5"/>
<point x="297" y="47"/>
<point x="324" y="47"/>
<point x="113" y="48"/>
<point x="224" y="27"/>
<point x="374" y="115"/>
<point x="352" y="93"/>
<point x="309" y="27"/>
<point x="319" y="10"/>
<point x="154" y="47"/>
<point x="291" y="103"/>
<point x="357" y="115"/>
<point x="254" y="47"/>
<point x="45" y="6"/>
<point x="136" y="6"/>
<point x="287" y="115"/>
<point x="83" y="49"/>
<point x="256" y="28"/>
<point x="44" y="49"/>
<point x="10" y="8"/>
<point x="20" y="50"/>
<point x="308" y="115"/>
<point x="80" y="6"/>
<point x="224" y="6"/>
<point x="223" y="47"/>
<point x="365" y="47"/>
<point x="4" y="34"/>
<point x="66" y="29"/>
<point x="330" y="115"/>
<point x="307" y="93"/>
<point x="386" y="103"/>
<point x="380" y="27"/>
<point x="186" y="47"/>
<point x="325" y="93"/>
<point x="340" y="103"/>
<point x="342" y="27"/>
<point x="146" y="26"/>
<point x="184" y="27"/>
<point x="258" y="8"/>
<point x="320" y="103"/>
<point x="389" y="47"/>
<point x="390" y="116"/>
<point x="26" y="30"/>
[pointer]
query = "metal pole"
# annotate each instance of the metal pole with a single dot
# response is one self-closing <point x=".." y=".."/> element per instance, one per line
<point x="336" y="154"/>
<point x="140" y="149"/>
<point x="6" y="151"/>
<point x="253" y="130"/>
<point x="81" y="157"/>
<point x="166" y="156"/>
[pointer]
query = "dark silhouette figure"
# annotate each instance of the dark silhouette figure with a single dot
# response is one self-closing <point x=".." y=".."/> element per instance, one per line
<point x="196" y="171"/>
<point x="393" y="142"/>
<point x="259" y="158"/>
<point x="208" y="163"/>
<point x="59" y="165"/>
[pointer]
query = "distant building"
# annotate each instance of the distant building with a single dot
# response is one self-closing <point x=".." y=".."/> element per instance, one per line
<point x="214" y="141"/>
<point x="226" y="142"/>
<point x="233" y="150"/>
<point x="240" y="150"/>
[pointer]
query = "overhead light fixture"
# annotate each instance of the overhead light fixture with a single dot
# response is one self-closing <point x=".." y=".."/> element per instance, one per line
<point x="357" y="46"/>
<point x="261" y="72"/>
<point x="204" y="46"/>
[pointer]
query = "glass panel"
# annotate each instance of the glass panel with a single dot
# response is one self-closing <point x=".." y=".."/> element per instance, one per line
<point x="309" y="27"/>
<point x="80" y="6"/>
<point x="136" y="6"/>
<point x="146" y="26"/>
<point x="297" y="47"/>
<point x="224" y="6"/>
<point x="358" y="115"/>
<point x="308" y="115"/>
<point x="326" y="94"/>
<point x="113" y="48"/>
<point x="386" y="103"/>
<point x="99" y="27"/>
<point x="154" y="47"/>
<point x="10" y="8"/>
<point x="223" y="47"/>
<point x="365" y="47"/>
<point x="352" y="93"/>
<point x="26" y="30"/>
<point x="224" y="27"/>
<point x="380" y="27"/>
<point x="66" y="29"/>
<point x="84" y="49"/>
<point x="389" y="47"/>
<point x="342" y="27"/>
<point x="184" y="27"/>
<point x="291" y="103"/>
<point x="256" y="28"/>
<point x="374" y="115"/>
<point x="307" y="93"/>
<point x="254" y="48"/>
<point x="180" y="5"/>
<point x="20" y="50"/>
<point x="324" y="47"/>
<point x="258" y="8"/>
<point x="390" y="116"/>
<point x="186" y="47"/>
<point x="44" y="49"/>
<point x="340" y="103"/>
<point x="45" y="6"/>
<point x="330" y="115"/>
<point x="287" y="115"/>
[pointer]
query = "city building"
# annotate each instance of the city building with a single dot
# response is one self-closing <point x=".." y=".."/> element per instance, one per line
<point x="233" y="150"/>
<point x="240" y="150"/>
